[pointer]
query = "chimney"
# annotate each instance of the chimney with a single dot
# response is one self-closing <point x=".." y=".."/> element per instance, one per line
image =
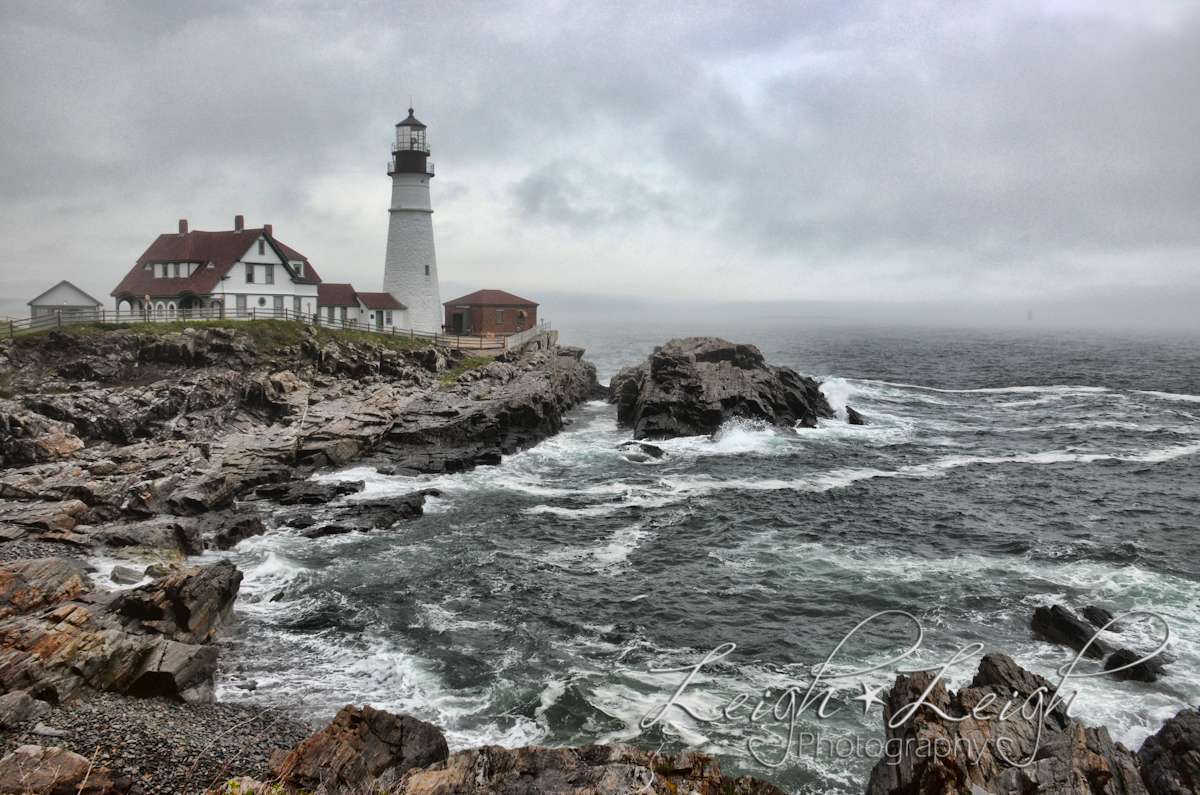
<point x="239" y="223"/>
<point x="267" y="230"/>
<point x="182" y="227"/>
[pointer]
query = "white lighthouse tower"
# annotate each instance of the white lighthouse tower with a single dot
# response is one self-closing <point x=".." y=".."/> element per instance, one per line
<point x="410" y="271"/>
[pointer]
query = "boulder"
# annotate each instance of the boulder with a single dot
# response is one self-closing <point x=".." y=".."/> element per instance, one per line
<point x="238" y="528"/>
<point x="189" y="606"/>
<point x="854" y="418"/>
<point x="612" y="768"/>
<point x="1144" y="671"/>
<point x="202" y="493"/>
<point x="28" y="585"/>
<point x="692" y="386"/>
<point x="1060" y="756"/>
<point x="1059" y="625"/>
<point x="162" y="533"/>
<point x="18" y="706"/>
<point x="35" y="770"/>
<point x="309" y="492"/>
<point x="1171" y="758"/>
<point x="122" y="575"/>
<point x="1098" y="617"/>
<point x="641" y="451"/>
<point x="175" y="670"/>
<point x="358" y="749"/>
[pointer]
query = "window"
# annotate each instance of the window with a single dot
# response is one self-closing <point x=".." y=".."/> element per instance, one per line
<point x="499" y="316"/>
<point x="278" y="305"/>
<point x="299" y="269"/>
<point x="175" y="270"/>
<point x="342" y="313"/>
<point x="329" y="312"/>
<point x="426" y="270"/>
<point x="270" y="274"/>
<point x="241" y="305"/>
<point x="521" y="316"/>
<point x="262" y="249"/>
<point x="262" y="301"/>
<point x="249" y="273"/>
<point x="296" y="305"/>
<point x="387" y="318"/>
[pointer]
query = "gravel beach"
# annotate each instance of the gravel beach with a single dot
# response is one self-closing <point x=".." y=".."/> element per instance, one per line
<point x="158" y="742"/>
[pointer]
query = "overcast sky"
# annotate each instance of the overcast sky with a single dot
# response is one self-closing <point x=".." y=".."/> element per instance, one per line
<point x="722" y="152"/>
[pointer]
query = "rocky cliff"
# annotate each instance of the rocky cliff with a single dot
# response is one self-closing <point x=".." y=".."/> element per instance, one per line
<point x="125" y="438"/>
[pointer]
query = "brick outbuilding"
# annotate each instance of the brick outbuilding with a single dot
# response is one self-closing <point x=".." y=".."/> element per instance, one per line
<point x="490" y="312"/>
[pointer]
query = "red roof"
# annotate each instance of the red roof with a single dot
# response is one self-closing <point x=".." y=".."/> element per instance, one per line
<point x="491" y="298"/>
<point x="222" y="249"/>
<point x="380" y="301"/>
<point x="336" y="295"/>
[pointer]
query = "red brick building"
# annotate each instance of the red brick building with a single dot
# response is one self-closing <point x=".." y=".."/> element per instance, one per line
<point x="490" y="312"/>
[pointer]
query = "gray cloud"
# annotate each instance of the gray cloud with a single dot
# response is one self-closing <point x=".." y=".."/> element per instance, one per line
<point x="925" y="148"/>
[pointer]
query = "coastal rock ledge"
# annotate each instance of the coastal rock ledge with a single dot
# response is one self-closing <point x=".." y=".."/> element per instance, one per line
<point x="689" y="387"/>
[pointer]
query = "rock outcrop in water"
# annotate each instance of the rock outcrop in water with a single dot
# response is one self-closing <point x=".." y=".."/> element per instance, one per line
<point x="1029" y="752"/>
<point x="689" y="387"/>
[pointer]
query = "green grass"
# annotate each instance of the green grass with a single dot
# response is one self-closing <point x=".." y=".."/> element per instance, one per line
<point x="268" y="335"/>
<point x="463" y="366"/>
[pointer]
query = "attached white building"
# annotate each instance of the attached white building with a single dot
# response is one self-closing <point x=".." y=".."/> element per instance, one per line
<point x="64" y="298"/>
<point x="341" y="304"/>
<point x="242" y="273"/>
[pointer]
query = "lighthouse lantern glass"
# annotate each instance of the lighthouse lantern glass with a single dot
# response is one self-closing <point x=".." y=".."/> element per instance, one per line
<point x="411" y="138"/>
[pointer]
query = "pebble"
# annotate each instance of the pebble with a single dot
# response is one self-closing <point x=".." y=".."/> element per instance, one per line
<point x="158" y="742"/>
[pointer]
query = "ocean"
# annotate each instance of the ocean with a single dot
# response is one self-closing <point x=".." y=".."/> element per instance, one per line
<point x="544" y="600"/>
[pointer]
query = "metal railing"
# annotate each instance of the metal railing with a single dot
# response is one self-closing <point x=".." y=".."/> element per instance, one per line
<point x="457" y="341"/>
<point x="391" y="167"/>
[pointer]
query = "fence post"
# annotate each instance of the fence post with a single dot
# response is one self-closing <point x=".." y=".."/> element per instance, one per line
<point x="11" y="334"/>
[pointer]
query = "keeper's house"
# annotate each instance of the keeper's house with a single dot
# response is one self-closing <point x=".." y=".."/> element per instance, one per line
<point x="66" y="299"/>
<point x="490" y="312"/>
<point x="239" y="273"/>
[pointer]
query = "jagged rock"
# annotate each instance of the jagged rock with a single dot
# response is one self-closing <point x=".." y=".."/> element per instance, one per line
<point x="122" y="575"/>
<point x="854" y="418"/>
<point x="1145" y="671"/>
<point x="28" y="585"/>
<point x="116" y="642"/>
<point x="308" y="492"/>
<point x="1098" y="617"/>
<point x="358" y="749"/>
<point x="18" y="706"/>
<point x="1171" y="758"/>
<point x="28" y="438"/>
<point x="1059" y="625"/>
<point x="188" y="606"/>
<point x="203" y="493"/>
<point x="1064" y="757"/>
<point x="158" y="570"/>
<point x="237" y="529"/>
<point x="36" y="770"/>
<point x="610" y="768"/>
<point x="165" y="533"/>
<point x="692" y="386"/>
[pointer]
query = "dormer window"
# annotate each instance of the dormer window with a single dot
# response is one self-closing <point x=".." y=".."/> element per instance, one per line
<point x="175" y="269"/>
<point x="300" y="269"/>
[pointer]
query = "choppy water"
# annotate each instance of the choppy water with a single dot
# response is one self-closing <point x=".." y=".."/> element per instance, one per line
<point x="1000" y="472"/>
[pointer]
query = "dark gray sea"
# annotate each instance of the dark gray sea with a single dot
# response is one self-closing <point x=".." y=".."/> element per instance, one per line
<point x="535" y="600"/>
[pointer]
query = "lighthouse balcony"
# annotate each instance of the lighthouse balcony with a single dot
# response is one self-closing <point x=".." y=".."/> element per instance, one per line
<point x="391" y="168"/>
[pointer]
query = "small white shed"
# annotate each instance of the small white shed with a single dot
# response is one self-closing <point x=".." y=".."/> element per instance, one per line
<point x="66" y="298"/>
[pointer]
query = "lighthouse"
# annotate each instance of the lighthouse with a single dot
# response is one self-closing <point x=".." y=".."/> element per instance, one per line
<point x="410" y="270"/>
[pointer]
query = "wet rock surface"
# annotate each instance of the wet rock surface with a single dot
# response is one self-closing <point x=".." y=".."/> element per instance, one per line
<point x="1028" y="752"/>
<point x="689" y="387"/>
